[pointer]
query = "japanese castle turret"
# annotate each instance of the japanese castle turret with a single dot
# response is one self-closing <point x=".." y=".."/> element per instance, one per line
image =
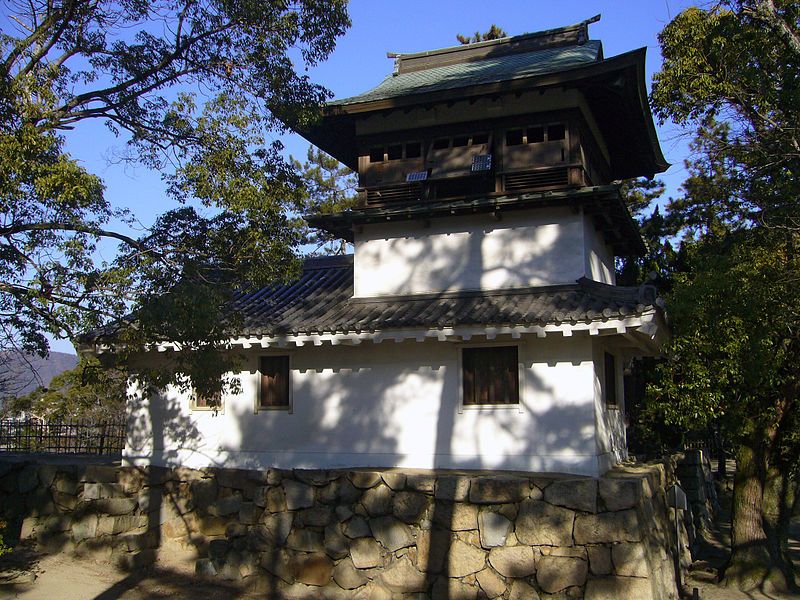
<point x="478" y="324"/>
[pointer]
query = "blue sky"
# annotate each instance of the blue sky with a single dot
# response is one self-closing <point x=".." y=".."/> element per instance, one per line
<point x="359" y="63"/>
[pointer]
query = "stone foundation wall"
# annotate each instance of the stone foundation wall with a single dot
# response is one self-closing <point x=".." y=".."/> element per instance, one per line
<point x="362" y="534"/>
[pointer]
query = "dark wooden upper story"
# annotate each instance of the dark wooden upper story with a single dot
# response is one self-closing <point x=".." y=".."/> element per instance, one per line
<point x="537" y="112"/>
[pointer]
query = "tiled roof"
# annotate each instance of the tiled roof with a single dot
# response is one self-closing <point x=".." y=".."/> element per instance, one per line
<point x="486" y="70"/>
<point x="320" y="302"/>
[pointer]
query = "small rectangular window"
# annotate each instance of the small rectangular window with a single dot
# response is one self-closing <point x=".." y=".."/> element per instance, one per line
<point x="535" y="134"/>
<point x="514" y="137"/>
<point x="460" y="141"/>
<point x="610" y="376"/>
<point x="274" y="382"/>
<point x="204" y="402"/>
<point x="413" y="150"/>
<point x="441" y="143"/>
<point x="555" y="132"/>
<point x="490" y="375"/>
<point x="376" y="155"/>
<point x="395" y="152"/>
<point x="480" y="138"/>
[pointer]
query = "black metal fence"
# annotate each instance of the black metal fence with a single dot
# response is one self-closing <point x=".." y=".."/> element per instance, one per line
<point x="62" y="437"/>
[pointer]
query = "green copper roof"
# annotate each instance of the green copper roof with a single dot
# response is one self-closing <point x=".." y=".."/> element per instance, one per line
<point x="485" y="70"/>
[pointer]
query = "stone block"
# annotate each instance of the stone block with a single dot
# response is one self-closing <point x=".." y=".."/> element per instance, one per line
<point x="336" y="544"/>
<point x="620" y="494"/>
<point x="96" y="491"/>
<point x="40" y="503"/>
<point x="126" y="523"/>
<point x="577" y="494"/>
<point x="498" y="490"/>
<point x="600" y="560"/>
<point x="203" y="493"/>
<point x="410" y="507"/>
<point x="319" y="516"/>
<point x="357" y="527"/>
<point x="249" y="513"/>
<point x="604" y="528"/>
<point x="115" y="506"/>
<point x="305" y="540"/>
<point x="366" y="553"/>
<point x="629" y="560"/>
<point x="494" y="528"/>
<point x="542" y="524"/>
<point x="613" y="588"/>
<point x="522" y="590"/>
<point x="364" y="479"/>
<point x="396" y="481"/>
<point x="313" y="569"/>
<point x="84" y="528"/>
<point x="314" y="477"/>
<point x="28" y="479"/>
<point x="347" y="576"/>
<point x="556" y="573"/>
<point x="513" y="561"/>
<point x="47" y="473"/>
<point x="455" y="516"/>
<point x="132" y="479"/>
<point x="235" y="530"/>
<point x="65" y="484"/>
<point x="433" y="546"/>
<point x="204" y="567"/>
<point x="421" y="483"/>
<point x="280" y="564"/>
<point x="137" y="560"/>
<point x="98" y="474"/>
<point x="452" y="487"/>
<point x="28" y="529"/>
<point x="401" y="576"/>
<point x="390" y="532"/>
<point x="453" y="589"/>
<point x="491" y="583"/>
<point x="212" y="526"/>
<point x="223" y="507"/>
<point x="298" y="495"/>
<point x="465" y="559"/>
<point x="377" y="500"/>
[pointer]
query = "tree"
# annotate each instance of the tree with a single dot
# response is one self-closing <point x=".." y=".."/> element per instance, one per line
<point x="195" y="90"/>
<point x="330" y="187"/>
<point x="89" y="391"/>
<point x="730" y="74"/>
<point x="493" y="33"/>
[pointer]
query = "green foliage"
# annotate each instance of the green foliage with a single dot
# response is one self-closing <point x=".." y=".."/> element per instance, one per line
<point x="730" y="73"/>
<point x="3" y="548"/>
<point x="330" y="187"/>
<point x="493" y="33"/>
<point x="737" y="63"/>
<point x="194" y="89"/>
<point x="89" y="391"/>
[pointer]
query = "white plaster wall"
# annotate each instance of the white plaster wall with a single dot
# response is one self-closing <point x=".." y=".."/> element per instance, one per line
<point x="386" y="405"/>
<point x="541" y="247"/>
<point x="599" y="256"/>
<point x="611" y="436"/>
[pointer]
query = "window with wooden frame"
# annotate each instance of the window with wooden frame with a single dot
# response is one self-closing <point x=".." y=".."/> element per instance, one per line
<point x="204" y="402"/>
<point x="274" y="388"/>
<point x="490" y="376"/>
<point x="610" y="380"/>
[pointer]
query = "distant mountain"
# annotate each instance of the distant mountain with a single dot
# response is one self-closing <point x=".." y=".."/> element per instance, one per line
<point x="20" y="374"/>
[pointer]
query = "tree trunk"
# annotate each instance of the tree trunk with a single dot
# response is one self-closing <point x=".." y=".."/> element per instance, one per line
<point x="752" y="564"/>
<point x="779" y="498"/>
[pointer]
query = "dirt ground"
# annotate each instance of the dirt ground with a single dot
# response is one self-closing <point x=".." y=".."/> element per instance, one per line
<point x="33" y="576"/>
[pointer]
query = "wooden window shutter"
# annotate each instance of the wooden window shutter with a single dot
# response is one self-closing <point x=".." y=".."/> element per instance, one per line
<point x="274" y="382"/>
<point x="490" y="375"/>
